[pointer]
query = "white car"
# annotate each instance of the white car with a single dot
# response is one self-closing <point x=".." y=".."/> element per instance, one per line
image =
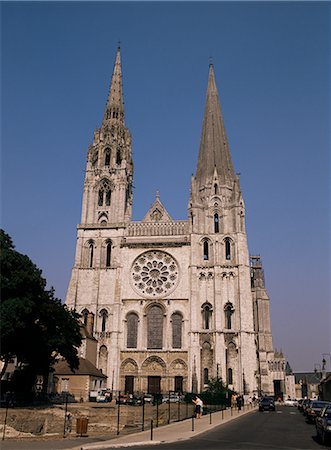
<point x="291" y="402"/>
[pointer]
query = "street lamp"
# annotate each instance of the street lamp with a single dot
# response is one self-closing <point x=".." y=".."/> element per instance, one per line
<point x="319" y="371"/>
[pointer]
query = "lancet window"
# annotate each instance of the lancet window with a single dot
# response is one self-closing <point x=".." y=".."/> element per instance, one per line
<point x="205" y="250"/>
<point x="155" y="327"/>
<point x="206" y="315"/>
<point x="104" y="317"/>
<point x="176" y="320"/>
<point x="216" y="223"/>
<point x="107" y="157"/>
<point x="132" y="330"/>
<point x="108" y="253"/>
<point x="228" y="311"/>
<point x="227" y="243"/>
<point x="104" y="194"/>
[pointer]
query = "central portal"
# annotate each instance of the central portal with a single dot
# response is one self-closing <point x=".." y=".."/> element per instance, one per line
<point x="154" y="385"/>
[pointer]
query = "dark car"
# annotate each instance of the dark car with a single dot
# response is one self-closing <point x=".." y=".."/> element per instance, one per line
<point x="267" y="404"/>
<point x="314" y="409"/>
<point x="305" y="405"/>
<point x="323" y="425"/>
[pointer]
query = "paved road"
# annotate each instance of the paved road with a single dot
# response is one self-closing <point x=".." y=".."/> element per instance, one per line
<point x="285" y="429"/>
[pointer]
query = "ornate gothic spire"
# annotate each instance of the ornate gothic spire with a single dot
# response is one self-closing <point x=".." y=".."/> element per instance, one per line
<point x="115" y="105"/>
<point x="214" y="150"/>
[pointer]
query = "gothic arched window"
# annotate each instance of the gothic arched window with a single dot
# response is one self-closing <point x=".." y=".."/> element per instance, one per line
<point x="90" y="254"/>
<point x="215" y="189"/>
<point x="228" y="310"/>
<point x="104" y="317"/>
<point x="176" y="320"/>
<point x="205" y="250"/>
<point x="108" y="197"/>
<point x="118" y="157"/>
<point x="85" y="316"/>
<point x="230" y="377"/>
<point x="206" y="315"/>
<point x="103" y="359"/>
<point x="155" y="327"/>
<point x="107" y="157"/>
<point x="104" y="194"/>
<point x="108" y="254"/>
<point x="132" y="330"/>
<point x="227" y="248"/>
<point x="216" y="223"/>
<point x="205" y="376"/>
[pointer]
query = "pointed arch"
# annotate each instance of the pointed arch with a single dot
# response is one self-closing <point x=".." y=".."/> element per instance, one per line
<point x="104" y="319"/>
<point x="216" y="223"/>
<point x="206" y="310"/>
<point x="228" y="312"/>
<point x="109" y="247"/>
<point x="155" y="318"/>
<point x="206" y="250"/>
<point x="90" y="254"/>
<point x="132" y="320"/>
<point x="85" y="314"/>
<point x="107" y="156"/>
<point x="177" y="325"/>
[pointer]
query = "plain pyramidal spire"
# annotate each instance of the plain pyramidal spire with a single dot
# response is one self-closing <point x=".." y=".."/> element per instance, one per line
<point x="214" y="150"/>
<point x="115" y="105"/>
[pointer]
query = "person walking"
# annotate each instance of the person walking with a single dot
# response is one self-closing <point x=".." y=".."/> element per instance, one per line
<point x="198" y="407"/>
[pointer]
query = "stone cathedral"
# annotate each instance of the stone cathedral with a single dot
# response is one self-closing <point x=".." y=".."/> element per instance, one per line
<point x="171" y="303"/>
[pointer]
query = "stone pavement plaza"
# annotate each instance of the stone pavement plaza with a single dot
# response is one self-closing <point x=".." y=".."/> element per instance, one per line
<point x="173" y="432"/>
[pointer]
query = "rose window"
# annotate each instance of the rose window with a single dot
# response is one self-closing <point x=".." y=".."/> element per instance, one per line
<point x="154" y="273"/>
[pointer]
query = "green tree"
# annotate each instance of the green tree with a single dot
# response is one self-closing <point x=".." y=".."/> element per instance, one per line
<point x="35" y="326"/>
<point x="216" y="393"/>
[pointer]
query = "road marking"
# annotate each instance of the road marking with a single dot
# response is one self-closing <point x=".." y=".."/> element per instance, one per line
<point x="292" y="412"/>
<point x="279" y="412"/>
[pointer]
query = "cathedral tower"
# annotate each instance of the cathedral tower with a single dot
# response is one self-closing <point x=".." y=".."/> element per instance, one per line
<point x="220" y="272"/>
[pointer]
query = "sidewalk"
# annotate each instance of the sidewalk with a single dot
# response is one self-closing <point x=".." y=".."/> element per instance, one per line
<point x="173" y="432"/>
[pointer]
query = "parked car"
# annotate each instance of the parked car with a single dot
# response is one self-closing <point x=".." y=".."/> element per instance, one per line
<point x="267" y="404"/>
<point x="173" y="398"/>
<point x="323" y="425"/>
<point x="104" y="396"/>
<point x="314" y="409"/>
<point x="305" y="405"/>
<point x="291" y="402"/>
<point x="148" y="398"/>
<point x="123" y="399"/>
<point x="135" y="400"/>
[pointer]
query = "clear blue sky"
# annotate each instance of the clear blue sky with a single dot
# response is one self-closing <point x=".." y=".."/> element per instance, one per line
<point x="272" y="67"/>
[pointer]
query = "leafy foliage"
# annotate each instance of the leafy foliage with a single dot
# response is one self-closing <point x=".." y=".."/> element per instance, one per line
<point x="216" y="393"/>
<point x="35" y="326"/>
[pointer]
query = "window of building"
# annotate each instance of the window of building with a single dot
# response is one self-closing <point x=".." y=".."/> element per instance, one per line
<point x="227" y="249"/>
<point x="108" y="197"/>
<point x="155" y="327"/>
<point x="85" y="316"/>
<point x="206" y="316"/>
<point x="178" y="384"/>
<point x="228" y="310"/>
<point x="104" y="317"/>
<point x="132" y="330"/>
<point x="230" y="379"/>
<point x="176" y="320"/>
<point x="107" y="157"/>
<point x="100" y="197"/>
<point x="205" y="376"/>
<point x="205" y="250"/>
<point x="215" y="189"/>
<point x="108" y="254"/>
<point x="216" y="223"/>
<point x="91" y="250"/>
<point x="118" y="157"/>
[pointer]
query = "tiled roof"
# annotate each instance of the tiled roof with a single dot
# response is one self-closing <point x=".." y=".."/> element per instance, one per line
<point x="85" y="368"/>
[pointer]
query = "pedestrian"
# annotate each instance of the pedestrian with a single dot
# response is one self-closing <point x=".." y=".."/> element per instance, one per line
<point x="198" y="407"/>
<point x="239" y="402"/>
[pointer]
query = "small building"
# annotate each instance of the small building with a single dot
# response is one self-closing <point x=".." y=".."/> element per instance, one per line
<point x="306" y="384"/>
<point x="79" y="383"/>
<point x="325" y="388"/>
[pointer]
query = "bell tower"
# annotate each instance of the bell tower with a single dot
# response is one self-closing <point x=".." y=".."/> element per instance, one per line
<point x="221" y="300"/>
<point x="107" y="197"/>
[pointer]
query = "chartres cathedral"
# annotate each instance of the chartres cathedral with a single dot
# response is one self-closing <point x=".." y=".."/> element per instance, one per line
<point x="172" y="303"/>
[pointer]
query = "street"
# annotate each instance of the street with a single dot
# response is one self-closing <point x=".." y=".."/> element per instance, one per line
<point x="284" y="429"/>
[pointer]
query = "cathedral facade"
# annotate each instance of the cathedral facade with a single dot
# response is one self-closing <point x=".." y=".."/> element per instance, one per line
<point x="172" y="303"/>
